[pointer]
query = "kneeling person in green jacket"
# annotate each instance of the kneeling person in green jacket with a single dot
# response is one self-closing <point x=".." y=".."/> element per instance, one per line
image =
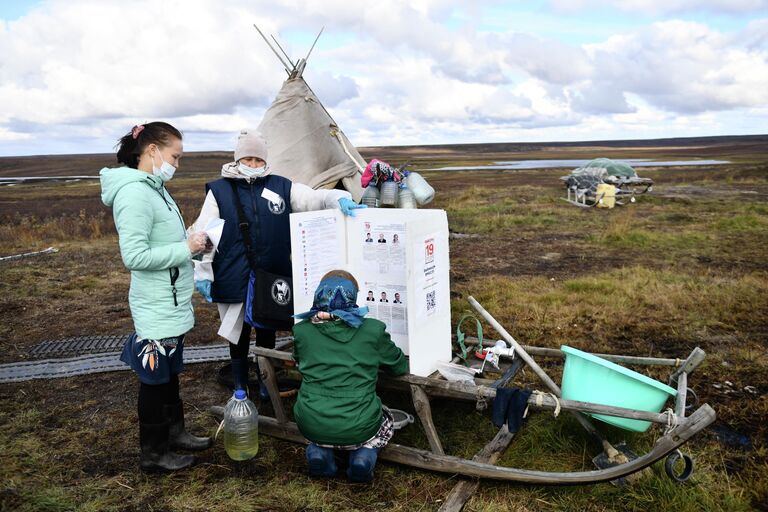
<point x="339" y="353"/>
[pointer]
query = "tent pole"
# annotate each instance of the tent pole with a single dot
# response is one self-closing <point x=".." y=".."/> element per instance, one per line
<point x="284" y="53"/>
<point x="313" y="44"/>
<point x="285" y="65"/>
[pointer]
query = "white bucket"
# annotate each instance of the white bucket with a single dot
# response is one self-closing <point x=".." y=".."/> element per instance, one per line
<point x="422" y="191"/>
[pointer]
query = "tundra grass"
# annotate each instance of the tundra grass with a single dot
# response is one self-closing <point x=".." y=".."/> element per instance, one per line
<point x="683" y="267"/>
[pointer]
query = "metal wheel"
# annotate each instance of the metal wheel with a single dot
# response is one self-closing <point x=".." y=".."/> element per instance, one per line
<point x="695" y="403"/>
<point x="672" y="460"/>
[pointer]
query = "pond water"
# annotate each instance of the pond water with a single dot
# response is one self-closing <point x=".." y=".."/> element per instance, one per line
<point x="509" y="165"/>
<point x="12" y="181"/>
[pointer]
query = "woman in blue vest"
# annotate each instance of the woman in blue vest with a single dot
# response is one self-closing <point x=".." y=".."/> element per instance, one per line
<point x="156" y="249"/>
<point x="267" y="201"/>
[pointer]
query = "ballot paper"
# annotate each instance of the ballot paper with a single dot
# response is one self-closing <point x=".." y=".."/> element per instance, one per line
<point x="399" y="258"/>
<point x="214" y="229"/>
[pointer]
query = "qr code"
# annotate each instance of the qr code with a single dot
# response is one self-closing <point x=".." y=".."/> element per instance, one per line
<point x="430" y="300"/>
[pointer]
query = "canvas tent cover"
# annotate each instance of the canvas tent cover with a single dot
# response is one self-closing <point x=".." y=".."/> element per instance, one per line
<point x="305" y="145"/>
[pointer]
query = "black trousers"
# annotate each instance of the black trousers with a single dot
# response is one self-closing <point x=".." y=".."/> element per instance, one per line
<point x="152" y="398"/>
<point x="264" y="338"/>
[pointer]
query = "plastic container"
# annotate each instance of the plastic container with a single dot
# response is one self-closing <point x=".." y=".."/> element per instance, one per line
<point x="389" y="193"/>
<point x="241" y="427"/>
<point x="405" y="198"/>
<point x="422" y="191"/>
<point x="371" y="196"/>
<point x="457" y="373"/>
<point x="588" y="378"/>
<point x="401" y="418"/>
<point x="606" y="195"/>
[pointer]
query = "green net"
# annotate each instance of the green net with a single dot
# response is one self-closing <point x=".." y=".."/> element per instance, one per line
<point x="619" y="169"/>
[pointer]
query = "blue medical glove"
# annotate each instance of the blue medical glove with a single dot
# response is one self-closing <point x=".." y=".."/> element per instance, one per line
<point x="204" y="287"/>
<point x="348" y="206"/>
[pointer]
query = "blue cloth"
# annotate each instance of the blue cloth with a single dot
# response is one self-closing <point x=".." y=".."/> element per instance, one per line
<point x="269" y="228"/>
<point x="361" y="464"/>
<point x="204" y="287"/>
<point x="154" y="361"/>
<point x="321" y="461"/>
<point x="337" y="296"/>
<point x="348" y="206"/>
<point x="509" y="407"/>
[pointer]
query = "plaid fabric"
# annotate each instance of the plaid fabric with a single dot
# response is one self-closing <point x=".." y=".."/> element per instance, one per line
<point x="378" y="441"/>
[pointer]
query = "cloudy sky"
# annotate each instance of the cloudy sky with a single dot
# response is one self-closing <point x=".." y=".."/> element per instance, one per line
<point x="77" y="74"/>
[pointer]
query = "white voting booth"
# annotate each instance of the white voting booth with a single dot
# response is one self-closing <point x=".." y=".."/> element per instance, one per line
<point x="400" y="259"/>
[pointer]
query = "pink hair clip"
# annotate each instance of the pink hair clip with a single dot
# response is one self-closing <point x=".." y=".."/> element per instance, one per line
<point x="136" y="131"/>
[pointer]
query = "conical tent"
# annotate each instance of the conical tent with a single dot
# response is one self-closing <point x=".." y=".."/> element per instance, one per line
<point x="305" y="144"/>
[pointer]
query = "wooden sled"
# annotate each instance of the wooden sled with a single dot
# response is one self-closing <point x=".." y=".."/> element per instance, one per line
<point x="626" y="190"/>
<point x="679" y="427"/>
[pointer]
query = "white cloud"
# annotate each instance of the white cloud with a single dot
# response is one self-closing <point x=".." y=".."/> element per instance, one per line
<point x="664" y="6"/>
<point x="683" y="67"/>
<point x="81" y="72"/>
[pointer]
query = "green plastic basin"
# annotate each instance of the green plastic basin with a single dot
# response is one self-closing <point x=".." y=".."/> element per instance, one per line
<point x="588" y="378"/>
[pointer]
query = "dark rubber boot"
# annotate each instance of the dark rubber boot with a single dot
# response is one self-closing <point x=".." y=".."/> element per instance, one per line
<point x="361" y="464"/>
<point x="155" y="454"/>
<point x="321" y="461"/>
<point x="178" y="437"/>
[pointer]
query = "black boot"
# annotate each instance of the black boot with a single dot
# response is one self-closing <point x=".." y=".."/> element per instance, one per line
<point x="155" y="454"/>
<point x="178" y="437"/>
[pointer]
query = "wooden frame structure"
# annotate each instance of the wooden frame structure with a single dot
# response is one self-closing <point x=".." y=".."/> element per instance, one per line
<point x="625" y="189"/>
<point x="679" y="427"/>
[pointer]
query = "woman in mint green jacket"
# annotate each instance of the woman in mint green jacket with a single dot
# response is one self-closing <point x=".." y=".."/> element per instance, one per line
<point x="154" y="246"/>
<point x="339" y="353"/>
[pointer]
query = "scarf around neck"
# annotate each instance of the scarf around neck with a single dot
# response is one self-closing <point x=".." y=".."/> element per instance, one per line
<point x="230" y="170"/>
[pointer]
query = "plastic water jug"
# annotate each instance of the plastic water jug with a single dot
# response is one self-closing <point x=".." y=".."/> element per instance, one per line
<point x="389" y="193"/>
<point x="241" y="427"/>
<point x="405" y="198"/>
<point x="422" y="191"/>
<point x="371" y="196"/>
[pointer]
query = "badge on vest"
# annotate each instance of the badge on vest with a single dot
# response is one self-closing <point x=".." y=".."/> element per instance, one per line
<point x="276" y="203"/>
<point x="281" y="292"/>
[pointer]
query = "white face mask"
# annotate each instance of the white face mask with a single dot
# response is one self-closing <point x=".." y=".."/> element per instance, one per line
<point x="165" y="171"/>
<point x="251" y="172"/>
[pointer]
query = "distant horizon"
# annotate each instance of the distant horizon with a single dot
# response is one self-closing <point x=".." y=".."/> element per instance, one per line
<point x="595" y="141"/>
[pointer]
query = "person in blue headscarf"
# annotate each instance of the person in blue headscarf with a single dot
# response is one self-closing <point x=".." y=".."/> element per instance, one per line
<point x="339" y="352"/>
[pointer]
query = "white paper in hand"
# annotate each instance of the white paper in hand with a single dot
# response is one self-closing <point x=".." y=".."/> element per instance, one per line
<point x="214" y="230"/>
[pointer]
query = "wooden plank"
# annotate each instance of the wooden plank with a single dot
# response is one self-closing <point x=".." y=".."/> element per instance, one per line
<point x="616" y="358"/>
<point x="537" y="351"/>
<point x="458" y="390"/>
<point x="682" y="395"/>
<point x="693" y="361"/>
<point x="423" y="459"/>
<point x="490" y="454"/>
<point x="424" y="411"/>
<point x="463" y="391"/>
<point x="270" y="380"/>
